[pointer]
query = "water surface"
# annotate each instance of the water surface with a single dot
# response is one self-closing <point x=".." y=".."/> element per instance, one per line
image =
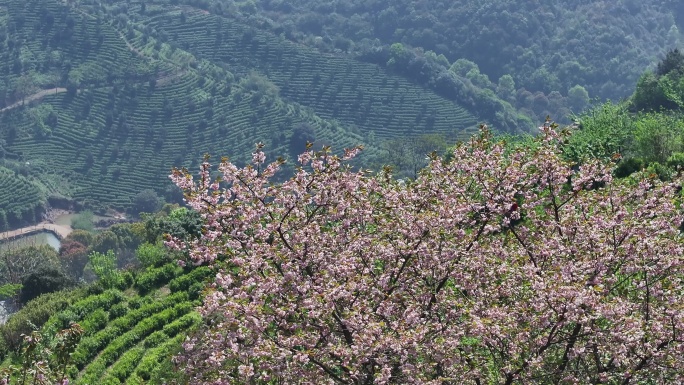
<point x="37" y="239"/>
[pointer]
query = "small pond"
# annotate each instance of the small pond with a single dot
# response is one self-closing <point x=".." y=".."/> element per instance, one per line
<point x="65" y="219"/>
<point x="38" y="239"/>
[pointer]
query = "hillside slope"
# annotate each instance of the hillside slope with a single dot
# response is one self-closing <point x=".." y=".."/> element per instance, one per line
<point x="602" y="45"/>
<point x="544" y="57"/>
<point x="143" y="88"/>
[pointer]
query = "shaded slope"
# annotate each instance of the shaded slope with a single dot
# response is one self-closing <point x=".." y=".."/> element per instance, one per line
<point x="136" y="106"/>
<point x="335" y="87"/>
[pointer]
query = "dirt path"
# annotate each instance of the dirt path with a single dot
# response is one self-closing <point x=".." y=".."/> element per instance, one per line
<point x="132" y="48"/>
<point x="36" y="96"/>
<point x="59" y="230"/>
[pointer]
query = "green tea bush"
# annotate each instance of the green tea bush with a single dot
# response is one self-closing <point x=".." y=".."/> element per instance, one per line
<point x="154" y="356"/>
<point x="184" y="282"/>
<point x="139" y="302"/>
<point x="134" y="379"/>
<point x="119" y="345"/>
<point x="155" y="277"/>
<point x="183" y="323"/>
<point x="95" y="321"/>
<point x="155" y="339"/>
<point x="104" y="338"/>
<point x="118" y="310"/>
<point x="34" y="314"/>
<point x="105" y="300"/>
<point x="125" y="366"/>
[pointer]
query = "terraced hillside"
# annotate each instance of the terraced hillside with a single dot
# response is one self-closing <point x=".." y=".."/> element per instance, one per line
<point x="46" y="43"/>
<point x="123" y="146"/>
<point x="110" y="139"/>
<point x="20" y="199"/>
<point x="128" y="333"/>
<point x="43" y="45"/>
<point x="143" y="90"/>
<point x="335" y="87"/>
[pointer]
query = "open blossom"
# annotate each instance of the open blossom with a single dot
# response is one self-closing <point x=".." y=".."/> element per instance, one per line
<point x="496" y="267"/>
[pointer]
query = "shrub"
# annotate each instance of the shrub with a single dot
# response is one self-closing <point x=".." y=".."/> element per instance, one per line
<point x="74" y="257"/>
<point x="134" y="379"/>
<point x="34" y="314"/>
<point x="104" y="300"/>
<point x="155" y="339"/>
<point x="83" y="221"/>
<point x="104" y="267"/>
<point x="118" y="310"/>
<point x="95" y="321"/>
<point x="149" y="368"/>
<point x="43" y="281"/>
<point x="9" y="291"/>
<point x="17" y="264"/>
<point x="45" y="359"/>
<point x="676" y="161"/>
<point x="125" y="366"/>
<point x="628" y="167"/>
<point x="660" y="171"/>
<point x="155" y="277"/>
<point x="146" y="201"/>
<point x="81" y="236"/>
<point x="182" y="323"/>
<point x="151" y="255"/>
<point x="184" y="282"/>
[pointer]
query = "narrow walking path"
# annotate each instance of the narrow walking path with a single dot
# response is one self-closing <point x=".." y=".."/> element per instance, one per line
<point x="36" y="96"/>
<point x="60" y="231"/>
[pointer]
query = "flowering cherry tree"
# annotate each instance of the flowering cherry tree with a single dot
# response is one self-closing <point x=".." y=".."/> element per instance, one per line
<point x="497" y="267"/>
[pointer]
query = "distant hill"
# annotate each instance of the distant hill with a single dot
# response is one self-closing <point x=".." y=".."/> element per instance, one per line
<point x="99" y="101"/>
<point x="548" y="47"/>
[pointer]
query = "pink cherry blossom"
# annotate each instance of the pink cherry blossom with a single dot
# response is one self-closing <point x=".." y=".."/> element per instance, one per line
<point x="495" y="267"/>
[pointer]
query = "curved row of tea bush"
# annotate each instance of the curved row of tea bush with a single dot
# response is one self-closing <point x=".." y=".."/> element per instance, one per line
<point x="21" y="202"/>
<point x="353" y="92"/>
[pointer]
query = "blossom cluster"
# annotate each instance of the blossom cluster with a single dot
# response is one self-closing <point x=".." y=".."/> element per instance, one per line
<point x="494" y="267"/>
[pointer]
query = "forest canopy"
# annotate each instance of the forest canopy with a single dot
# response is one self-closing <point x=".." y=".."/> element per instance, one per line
<point x="547" y="47"/>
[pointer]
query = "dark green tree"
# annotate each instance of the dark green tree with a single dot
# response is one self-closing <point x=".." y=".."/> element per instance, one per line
<point x="146" y="201"/>
<point x="301" y="135"/>
<point x="42" y="281"/>
<point x="672" y="63"/>
<point x="578" y="97"/>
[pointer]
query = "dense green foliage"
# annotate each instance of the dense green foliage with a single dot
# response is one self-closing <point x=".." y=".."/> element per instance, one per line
<point x="662" y="89"/>
<point x="644" y="132"/>
<point x="83" y="221"/>
<point x="547" y="47"/>
<point x="645" y="140"/>
<point x="34" y="314"/>
<point x="133" y="319"/>
<point x="42" y="281"/>
<point x="46" y="359"/>
<point x="16" y="264"/>
<point x="334" y="87"/>
<point x="91" y="92"/>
